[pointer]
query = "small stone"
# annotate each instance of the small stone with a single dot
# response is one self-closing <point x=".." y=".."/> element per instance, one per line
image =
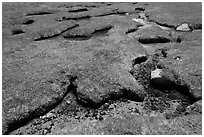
<point x="77" y="117"/>
<point x="68" y="102"/>
<point x="183" y="27"/>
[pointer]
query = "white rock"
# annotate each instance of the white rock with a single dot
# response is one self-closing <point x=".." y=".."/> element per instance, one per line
<point x="183" y="27"/>
<point x="68" y="102"/>
<point x="156" y="73"/>
<point x="140" y="21"/>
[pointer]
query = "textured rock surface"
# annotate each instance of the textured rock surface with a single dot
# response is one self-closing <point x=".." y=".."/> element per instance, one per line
<point x="86" y="68"/>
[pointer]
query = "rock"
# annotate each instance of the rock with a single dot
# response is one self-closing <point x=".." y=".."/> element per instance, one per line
<point x="68" y="102"/>
<point x="183" y="27"/>
<point x="77" y="117"/>
<point x="173" y="15"/>
<point x="73" y="16"/>
<point x="52" y="30"/>
<point x="41" y="12"/>
<point x="195" y="108"/>
<point x="94" y="91"/>
<point x="189" y="52"/>
<point x="166" y="79"/>
<point x="22" y="21"/>
<point x="156" y="73"/>
<point x="86" y="31"/>
<point x="49" y="115"/>
<point x="152" y="35"/>
<point x="78" y="9"/>
<point x="104" y="77"/>
<point x="159" y="81"/>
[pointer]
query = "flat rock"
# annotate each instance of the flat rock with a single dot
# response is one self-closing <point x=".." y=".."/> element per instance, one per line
<point x="52" y="30"/>
<point x="87" y="30"/>
<point x="173" y="14"/>
<point x="104" y="79"/>
<point x="41" y="12"/>
<point x="153" y="34"/>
